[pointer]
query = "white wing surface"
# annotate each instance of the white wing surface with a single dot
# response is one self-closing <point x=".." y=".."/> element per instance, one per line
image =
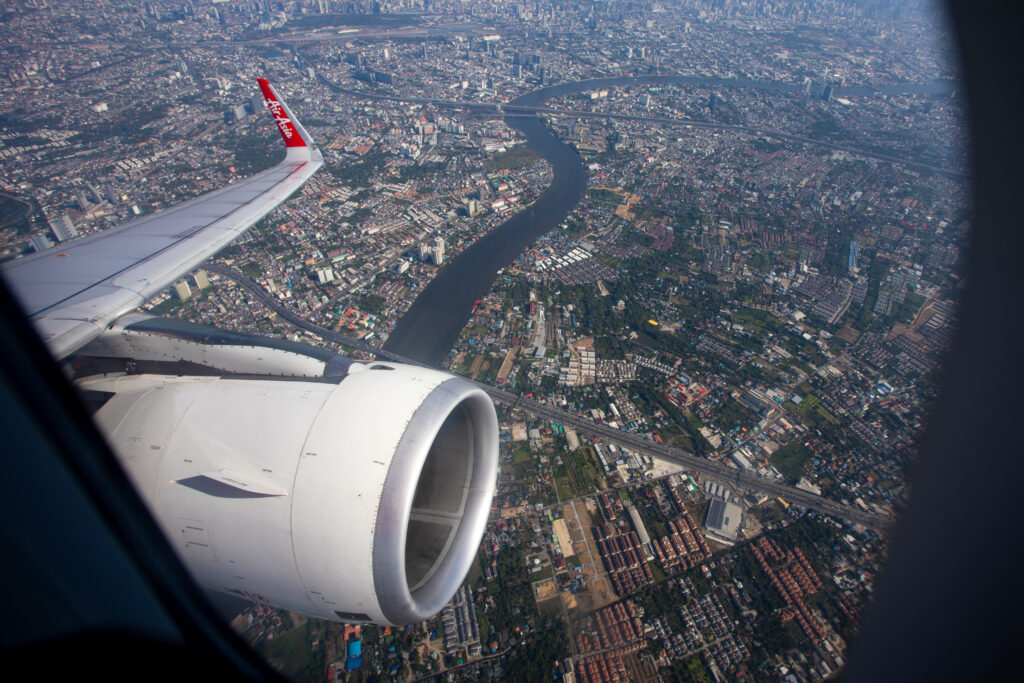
<point x="74" y="291"/>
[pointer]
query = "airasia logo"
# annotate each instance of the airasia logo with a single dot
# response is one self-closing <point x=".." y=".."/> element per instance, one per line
<point x="282" y="121"/>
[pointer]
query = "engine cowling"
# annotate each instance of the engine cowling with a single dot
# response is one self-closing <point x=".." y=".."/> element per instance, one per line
<point x="362" y="498"/>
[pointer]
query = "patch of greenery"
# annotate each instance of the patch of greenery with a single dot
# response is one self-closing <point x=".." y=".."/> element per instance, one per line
<point x="22" y="121"/>
<point x="166" y="307"/>
<point x="128" y="127"/>
<point x="687" y="434"/>
<point x="577" y="476"/>
<point x="813" y="413"/>
<point x="371" y="303"/>
<point x="758" y="321"/>
<point x="253" y="151"/>
<point x="358" y="174"/>
<point x="906" y="310"/>
<point x="836" y="258"/>
<point x="609" y="196"/>
<point x="537" y="658"/>
<point x="512" y="159"/>
<point x="829" y="128"/>
<point x="732" y="414"/>
<point x="416" y="172"/>
<point x="791" y="460"/>
<point x="294" y="653"/>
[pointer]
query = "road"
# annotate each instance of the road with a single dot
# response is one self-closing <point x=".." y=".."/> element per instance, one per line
<point x="447" y="673"/>
<point x="23" y="211"/>
<point x="720" y="471"/>
<point x="767" y="132"/>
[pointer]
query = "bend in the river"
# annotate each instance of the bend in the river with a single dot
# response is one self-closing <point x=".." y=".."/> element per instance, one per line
<point x="432" y="324"/>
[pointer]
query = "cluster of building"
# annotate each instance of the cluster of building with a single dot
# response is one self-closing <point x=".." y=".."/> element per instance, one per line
<point x="792" y="580"/>
<point x="624" y="558"/>
<point x="683" y="546"/>
<point x="461" y="628"/>
<point x="613" y="632"/>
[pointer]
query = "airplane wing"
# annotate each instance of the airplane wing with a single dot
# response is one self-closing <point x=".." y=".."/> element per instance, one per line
<point x="258" y="451"/>
<point x="74" y="291"/>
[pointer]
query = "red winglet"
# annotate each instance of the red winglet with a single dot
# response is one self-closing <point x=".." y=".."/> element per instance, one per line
<point x="284" y="124"/>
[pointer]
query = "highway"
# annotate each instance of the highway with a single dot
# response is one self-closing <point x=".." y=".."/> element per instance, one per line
<point x="720" y="471"/>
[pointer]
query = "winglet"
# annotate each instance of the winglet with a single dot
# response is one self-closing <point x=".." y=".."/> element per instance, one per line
<point x="295" y="136"/>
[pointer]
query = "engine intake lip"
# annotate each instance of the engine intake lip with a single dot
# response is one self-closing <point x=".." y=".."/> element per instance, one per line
<point x="459" y="415"/>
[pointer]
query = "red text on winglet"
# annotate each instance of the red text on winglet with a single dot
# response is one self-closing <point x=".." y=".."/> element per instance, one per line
<point x="284" y="124"/>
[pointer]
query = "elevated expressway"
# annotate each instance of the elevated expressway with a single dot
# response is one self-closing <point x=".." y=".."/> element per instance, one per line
<point x="720" y="471"/>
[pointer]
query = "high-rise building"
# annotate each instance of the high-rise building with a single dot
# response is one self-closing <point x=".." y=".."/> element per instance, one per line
<point x="235" y="114"/>
<point x="202" y="279"/>
<point x="64" y="229"/>
<point x="182" y="289"/>
<point x="97" y="196"/>
<point x="82" y="200"/>
<point x="40" y="243"/>
<point x="433" y="251"/>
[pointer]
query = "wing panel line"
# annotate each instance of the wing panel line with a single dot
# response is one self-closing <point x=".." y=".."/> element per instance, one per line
<point x="151" y="255"/>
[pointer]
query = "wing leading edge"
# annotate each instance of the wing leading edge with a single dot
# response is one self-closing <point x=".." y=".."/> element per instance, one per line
<point x="73" y="292"/>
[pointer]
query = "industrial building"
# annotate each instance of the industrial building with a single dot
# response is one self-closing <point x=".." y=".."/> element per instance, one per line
<point x="723" y="520"/>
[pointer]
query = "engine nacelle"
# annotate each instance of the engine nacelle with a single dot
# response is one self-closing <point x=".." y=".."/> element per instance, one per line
<point x="360" y="498"/>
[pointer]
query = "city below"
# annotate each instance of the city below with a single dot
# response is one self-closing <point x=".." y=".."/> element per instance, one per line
<point x="705" y="256"/>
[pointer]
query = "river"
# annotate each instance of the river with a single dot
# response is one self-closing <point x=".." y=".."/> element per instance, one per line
<point x="433" y="323"/>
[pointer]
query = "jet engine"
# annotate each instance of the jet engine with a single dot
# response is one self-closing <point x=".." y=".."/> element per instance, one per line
<point x="358" y="495"/>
